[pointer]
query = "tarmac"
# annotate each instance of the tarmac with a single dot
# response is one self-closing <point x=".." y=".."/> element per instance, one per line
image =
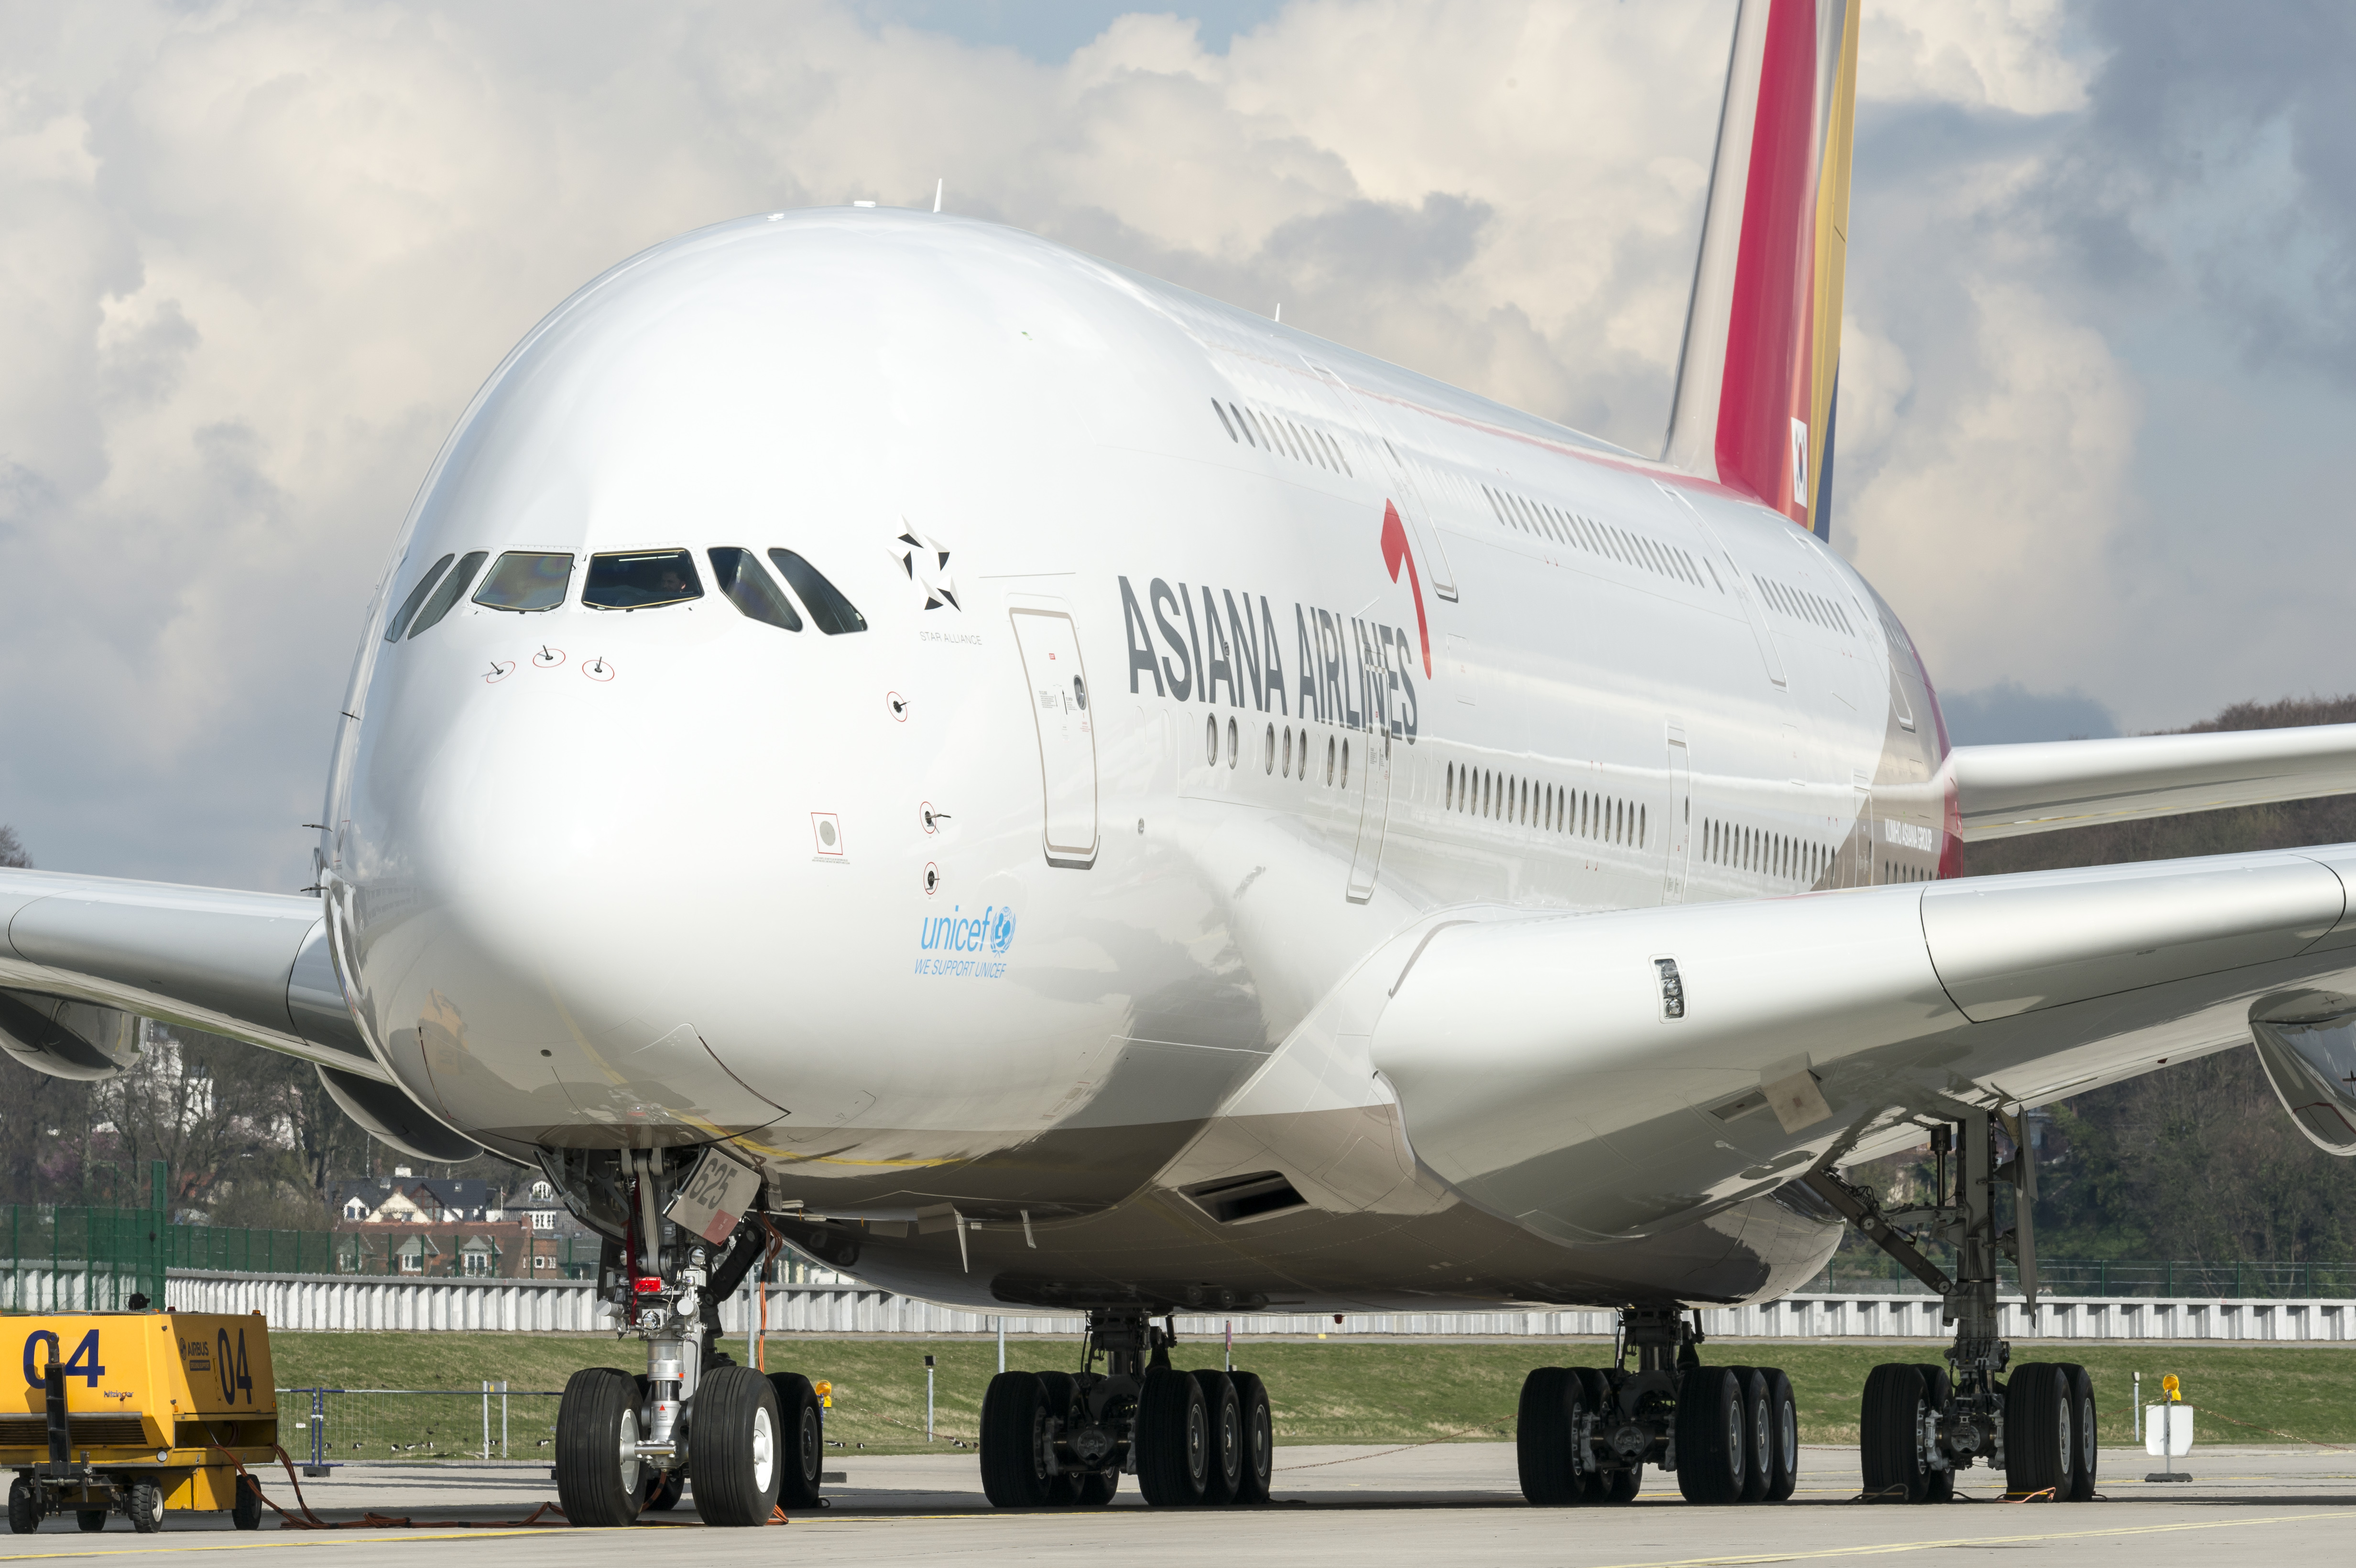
<point x="1347" y="1507"/>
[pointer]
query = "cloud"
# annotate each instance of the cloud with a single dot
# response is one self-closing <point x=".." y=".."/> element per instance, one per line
<point x="2008" y="712"/>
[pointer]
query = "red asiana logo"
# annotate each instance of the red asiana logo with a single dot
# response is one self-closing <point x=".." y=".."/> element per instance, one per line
<point x="1395" y="550"/>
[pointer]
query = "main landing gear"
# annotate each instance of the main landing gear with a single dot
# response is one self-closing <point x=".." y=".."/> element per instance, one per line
<point x="1730" y="1435"/>
<point x="750" y="1441"/>
<point x="1920" y="1425"/>
<point x="1064" y="1440"/>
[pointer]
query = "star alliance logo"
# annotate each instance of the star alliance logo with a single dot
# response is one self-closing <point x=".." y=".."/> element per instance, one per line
<point x="927" y="562"/>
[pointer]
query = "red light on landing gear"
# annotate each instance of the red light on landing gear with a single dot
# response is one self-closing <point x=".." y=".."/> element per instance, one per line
<point x="649" y="1286"/>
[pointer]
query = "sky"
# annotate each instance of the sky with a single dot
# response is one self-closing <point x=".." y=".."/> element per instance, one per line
<point x="2099" y="349"/>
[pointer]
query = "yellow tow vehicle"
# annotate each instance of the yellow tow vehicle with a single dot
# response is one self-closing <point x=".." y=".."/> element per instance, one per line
<point x="137" y="1413"/>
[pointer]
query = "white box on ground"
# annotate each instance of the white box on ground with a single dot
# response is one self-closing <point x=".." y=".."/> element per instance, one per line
<point x="2172" y="1422"/>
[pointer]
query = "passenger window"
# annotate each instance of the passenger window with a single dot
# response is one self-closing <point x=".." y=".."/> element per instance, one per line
<point x="641" y="579"/>
<point x="829" y="610"/>
<point x="526" y="580"/>
<point x="400" y="621"/>
<point x="745" y="585"/>
<point x="445" y="596"/>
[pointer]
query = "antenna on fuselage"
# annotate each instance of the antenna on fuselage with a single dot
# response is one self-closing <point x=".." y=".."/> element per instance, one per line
<point x="938" y="186"/>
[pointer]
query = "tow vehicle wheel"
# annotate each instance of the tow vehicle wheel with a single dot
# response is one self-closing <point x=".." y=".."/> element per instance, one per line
<point x="737" y="1448"/>
<point x="1783" y="1412"/>
<point x="2087" y="1470"/>
<point x="1224" y="1418"/>
<point x="144" y="1502"/>
<point x="1174" y="1439"/>
<point x="1013" y="1437"/>
<point x="1542" y="1438"/>
<point x="245" y="1509"/>
<point x="24" y="1508"/>
<point x="2037" y="1425"/>
<point x="597" y="1465"/>
<point x="1258" y="1469"/>
<point x="1889" y="1445"/>
<point x="1938" y="1392"/>
<point x="663" y="1490"/>
<point x="1758" y="1434"/>
<point x="91" y="1521"/>
<point x="801" y="1430"/>
<point x="1712" y="1439"/>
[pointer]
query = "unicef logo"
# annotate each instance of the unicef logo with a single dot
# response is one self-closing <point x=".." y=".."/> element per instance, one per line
<point x="1002" y="930"/>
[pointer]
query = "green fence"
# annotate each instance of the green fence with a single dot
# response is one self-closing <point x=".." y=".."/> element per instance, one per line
<point x="64" y="1257"/>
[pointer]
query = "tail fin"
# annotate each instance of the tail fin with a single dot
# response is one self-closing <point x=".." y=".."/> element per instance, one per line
<point x="1761" y="355"/>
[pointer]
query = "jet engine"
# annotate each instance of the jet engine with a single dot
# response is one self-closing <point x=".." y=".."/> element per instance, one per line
<point x="2308" y="1049"/>
<point x="387" y="1114"/>
<point x="65" y="1039"/>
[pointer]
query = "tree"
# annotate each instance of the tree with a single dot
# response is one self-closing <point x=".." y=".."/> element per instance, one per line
<point x="12" y="848"/>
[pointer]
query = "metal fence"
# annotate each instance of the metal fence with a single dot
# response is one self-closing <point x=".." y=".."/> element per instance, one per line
<point x="330" y="1426"/>
<point x="2119" y="1278"/>
<point x="66" y="1257"/>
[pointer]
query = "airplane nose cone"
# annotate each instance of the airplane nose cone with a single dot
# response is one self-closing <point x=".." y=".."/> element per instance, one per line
<point x="582" y="863"/>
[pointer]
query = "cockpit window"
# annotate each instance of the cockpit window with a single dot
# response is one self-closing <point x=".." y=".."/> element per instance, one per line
<point x="527" y="580"/>
<point x="637" y="580"/>
<point x="452" y="587"/>
<point x="400" y="621"/>
<point x="828" y="608"/>
<point x="739" y="574"/>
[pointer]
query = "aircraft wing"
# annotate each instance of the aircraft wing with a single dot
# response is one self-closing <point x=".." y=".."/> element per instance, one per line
<point x="2004" y="790"/>
<point x="255" y="966"/>
<point x="1606" y="1074"/>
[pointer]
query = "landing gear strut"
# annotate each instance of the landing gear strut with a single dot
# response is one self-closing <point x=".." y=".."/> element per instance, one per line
<point x="1730" y="1435"/>
<point x="1920" y="1425"/>
<point x="1064" y="1440"/>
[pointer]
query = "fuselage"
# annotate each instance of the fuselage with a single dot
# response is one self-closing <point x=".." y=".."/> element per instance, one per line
<point x="1193" y="663"/>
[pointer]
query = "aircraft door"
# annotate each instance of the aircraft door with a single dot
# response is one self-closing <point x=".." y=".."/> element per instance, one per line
<point x="1060" y="709"/>
<point x="1374" y="811"/>
<point x="1680" y="834"/>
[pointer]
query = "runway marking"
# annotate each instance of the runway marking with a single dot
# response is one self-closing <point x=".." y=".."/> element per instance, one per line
<point x="1953" y="1542"/>
<point x="389" y="1536"/>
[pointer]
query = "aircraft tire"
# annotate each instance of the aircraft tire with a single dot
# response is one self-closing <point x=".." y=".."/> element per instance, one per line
<point x="1174" y="1439"/>
<point x="1014" y="1426"/>
<point x="1224" y="1417"/>
<point x="596" y="1486"/>
<point x="739" y="1450"/>
<point x="1542" y="1433"/>
<point x="2086" y="1456"/>
<point x="1938" y="1485"/>
<point x="2037" y="1423"/>
<point x="1888" y="1451"/>
<point x="1593" y="1393"/>
<point x="1758" y="1434"/>
<point x="801" y="1433"/>
<point x="1257" y="1471"/>
<point x="1713" y="1436"/>
<point x="1783" y="1410"/>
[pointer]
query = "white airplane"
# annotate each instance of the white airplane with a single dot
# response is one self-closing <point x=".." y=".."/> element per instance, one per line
<point x="1051" y="793"/>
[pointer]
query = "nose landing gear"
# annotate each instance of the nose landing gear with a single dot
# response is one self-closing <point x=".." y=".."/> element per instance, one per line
<point x="624" y="1444"/>
<point x="1061" y="1440"/>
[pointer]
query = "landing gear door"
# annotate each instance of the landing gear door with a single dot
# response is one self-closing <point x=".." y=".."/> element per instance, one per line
<point x="1065" y="724"/>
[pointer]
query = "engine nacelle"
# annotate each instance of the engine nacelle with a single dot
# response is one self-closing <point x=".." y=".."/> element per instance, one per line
<point x="2309" y="1049"/>
<point x="387" y="1114"/>
<point x="68" y="1039"/>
